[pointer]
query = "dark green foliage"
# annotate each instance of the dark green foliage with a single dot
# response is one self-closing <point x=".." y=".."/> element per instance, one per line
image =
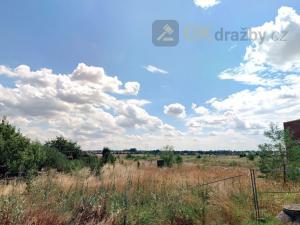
<point x="33" y="159"/>
<point x="56" y="160"/>
<point x="67" y="147"/>
<point x="242" y="155"/>
<point x="128" y="156"/>
<point x="107" y="156"/>
<point x="167" y="154"/>
<point x="281" y="152"/>
<point x="132" y="150"/>
<point x="17" y="153"/>
<point x="178" y="159"/>
<point x="251" y="156"/>
<point x="92" y="161"/>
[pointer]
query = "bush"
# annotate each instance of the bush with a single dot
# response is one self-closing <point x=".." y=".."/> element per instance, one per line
<point x="282" y="152"/>
<point x="128" y="156"/>
<point x="17" y="153"/>
<point x="107" y="156"/>
<point x="67" y="147"/>
<point x="251" y="156"/>
<point x="178" y="159"/>
<point x="91" y="161"/>
<point x="33" y="159"/>
<point x="56" y="160"/>
<point x="242" y="155"/>
<point x="167" y="154"/>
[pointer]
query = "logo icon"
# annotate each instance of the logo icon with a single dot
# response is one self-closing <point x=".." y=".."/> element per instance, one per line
<point x="165" y="33"/>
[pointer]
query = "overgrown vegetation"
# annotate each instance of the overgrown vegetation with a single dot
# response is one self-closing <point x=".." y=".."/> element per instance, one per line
<point x="21" y="156"/>
<point x="281" y="156"/>
<point x="169" y="157"/>
<point x="134" y="190"/>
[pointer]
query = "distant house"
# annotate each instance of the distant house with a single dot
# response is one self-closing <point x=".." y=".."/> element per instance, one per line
<point x="294" y="128"/>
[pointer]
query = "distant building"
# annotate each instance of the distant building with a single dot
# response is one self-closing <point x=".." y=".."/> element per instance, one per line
<point x="293" y="127"/>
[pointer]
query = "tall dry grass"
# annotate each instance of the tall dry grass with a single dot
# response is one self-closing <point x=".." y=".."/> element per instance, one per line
<point x="127" y="194"/>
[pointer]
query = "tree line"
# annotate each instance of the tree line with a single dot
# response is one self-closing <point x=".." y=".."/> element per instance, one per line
<point x="21" y="156"/>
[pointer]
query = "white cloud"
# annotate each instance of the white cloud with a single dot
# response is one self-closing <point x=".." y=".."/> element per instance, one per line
<point x="82" y="105"/>
<point x="199" y="109"/>
<point x="154" y="69"/>
<point x="205" y="4"/>
<point x="282" y="54"/>
<point x="268" y="59"/>
<point x="175" y="109"/>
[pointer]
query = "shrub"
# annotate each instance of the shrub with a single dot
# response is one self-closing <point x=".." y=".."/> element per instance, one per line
<point x="251" y="156"/>
<point x="56" y="160"/>
<point x="91" y="161"/>
<point x="67" y="147"/>
<point x="167" y="154"/>
<point x="178" y="159"/>
<point x="17" y="153"/>
<point x="242" y="155"/>
<point x="282" y="153"/>
<point x="107" y="156"/>
<point x="128" y="156"/>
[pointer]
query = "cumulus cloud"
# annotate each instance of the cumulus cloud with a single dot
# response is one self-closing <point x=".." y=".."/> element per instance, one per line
<point x="273" y="66"/>
<point x="82" y="105"/>
<point x="251" y="111"/>
<point x="175" y="109"/>
<point x="205" y="4"/>
<point x="268" y="60"/>
<point x="280" y="49"/>
<point x="154" y="69"/>
<point x="199" y="109"/>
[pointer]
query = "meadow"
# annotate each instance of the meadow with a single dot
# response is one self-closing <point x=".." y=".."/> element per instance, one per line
<point x="138" y="192"/>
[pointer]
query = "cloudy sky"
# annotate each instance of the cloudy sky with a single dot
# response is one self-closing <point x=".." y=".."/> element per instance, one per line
<point x="88" y="70"/>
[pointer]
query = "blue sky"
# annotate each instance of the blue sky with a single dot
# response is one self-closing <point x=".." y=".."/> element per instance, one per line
<point x="116" y="36"/>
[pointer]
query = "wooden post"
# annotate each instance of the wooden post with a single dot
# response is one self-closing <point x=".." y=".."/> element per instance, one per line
<point x="255" y="196"/>
<point x="284" y="173"/>
<point x="284" y="159"/>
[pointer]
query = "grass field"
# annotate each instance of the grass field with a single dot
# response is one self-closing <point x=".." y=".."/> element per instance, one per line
<point x="141" y="193"/>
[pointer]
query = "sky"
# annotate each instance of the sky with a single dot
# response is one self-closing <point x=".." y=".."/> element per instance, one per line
<point x="88" y="70"/>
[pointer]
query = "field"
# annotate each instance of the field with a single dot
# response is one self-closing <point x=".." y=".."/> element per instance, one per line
<point x="138" y="192"/>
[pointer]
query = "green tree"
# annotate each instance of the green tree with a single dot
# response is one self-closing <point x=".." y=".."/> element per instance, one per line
<point x="107" y="156"/>
<point x="33" y="158"/>
<point x="178" y="159"/>
<point x="17" y="153"/>
<point x="56" y="160"/>
<point x="251" y="156"/>
<point x="281" y="154"/>
<point x="167" y="154"/>
<point x="67" y="147"/>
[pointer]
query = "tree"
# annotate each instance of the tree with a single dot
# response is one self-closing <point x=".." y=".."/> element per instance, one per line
<point x="282" y="153"/>
<point x="17" y="153"/>
<point x="251" y="156"/>
<point x="132" y="150"/>
<point x="56" y="160"/>
<point x="167" y="154"/>
<point x="178" y="159"/>
<point x="67" y="147"/>
<point x="33" y="158"/>
<point x="107" y="156"/>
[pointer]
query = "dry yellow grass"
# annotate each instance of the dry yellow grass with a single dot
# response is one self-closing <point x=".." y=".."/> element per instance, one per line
<point x="229" y="200"/>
